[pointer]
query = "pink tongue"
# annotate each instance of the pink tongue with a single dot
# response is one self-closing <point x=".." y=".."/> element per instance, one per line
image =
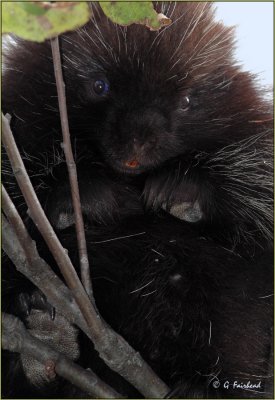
<point x="132" y="164"/>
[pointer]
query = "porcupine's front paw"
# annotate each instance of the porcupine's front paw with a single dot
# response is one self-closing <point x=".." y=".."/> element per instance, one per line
<point x="168" y="190"/>
<point x="34" y="301"/>
<point x="47" y="325"/>
<point x="103" y="202"/>
<point x="186" y="211"/>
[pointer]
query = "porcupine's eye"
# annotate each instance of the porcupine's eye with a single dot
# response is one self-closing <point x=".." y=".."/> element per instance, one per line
<point x="185" y="103"/>
<point x="101" y="87"/>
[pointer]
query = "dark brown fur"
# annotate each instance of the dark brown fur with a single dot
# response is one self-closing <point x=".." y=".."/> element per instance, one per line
<point x="181" y="125"/>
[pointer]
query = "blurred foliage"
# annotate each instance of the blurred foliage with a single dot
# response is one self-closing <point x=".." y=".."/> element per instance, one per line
<point x="38" y="21"/>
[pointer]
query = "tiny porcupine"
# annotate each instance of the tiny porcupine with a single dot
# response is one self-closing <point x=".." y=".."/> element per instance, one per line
<point x="173" y="144"/>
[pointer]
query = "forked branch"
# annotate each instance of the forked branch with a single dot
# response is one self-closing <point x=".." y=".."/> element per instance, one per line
<point x="112" y="348"/>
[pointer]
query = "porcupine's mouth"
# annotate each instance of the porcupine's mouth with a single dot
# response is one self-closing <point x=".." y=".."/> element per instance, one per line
<point x="130" y="167"/>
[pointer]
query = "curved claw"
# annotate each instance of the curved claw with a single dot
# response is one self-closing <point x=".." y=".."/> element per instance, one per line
<point x="52" y="313"/>
<point x="25" y="303"/>
<point x="40" y="302"/>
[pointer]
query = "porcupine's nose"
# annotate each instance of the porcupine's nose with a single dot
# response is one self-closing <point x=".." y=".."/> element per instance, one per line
<point x="132" y="164"/>
<point x="141" y="150"/>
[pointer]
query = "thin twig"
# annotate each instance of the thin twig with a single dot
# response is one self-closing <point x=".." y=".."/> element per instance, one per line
<point x="112" y="348"/>
<point x="16" y="338"/>
<point x="67" y="147"/>
<point x="38" y="216"/>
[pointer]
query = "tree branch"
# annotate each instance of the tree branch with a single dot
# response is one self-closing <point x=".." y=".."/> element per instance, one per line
<point x="67" y="147"/>
<point x="112" y="348"/>
<point x="21" y="249"/>
<point x="38" y="216"/>
<point x="25" y="257"/>
<point x="16" y="338"/>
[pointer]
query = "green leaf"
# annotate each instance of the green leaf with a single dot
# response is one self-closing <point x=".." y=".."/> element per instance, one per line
<point x="138" y="12"/>
<point x="38" y="21"/>
<point x="32" y="8"/>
